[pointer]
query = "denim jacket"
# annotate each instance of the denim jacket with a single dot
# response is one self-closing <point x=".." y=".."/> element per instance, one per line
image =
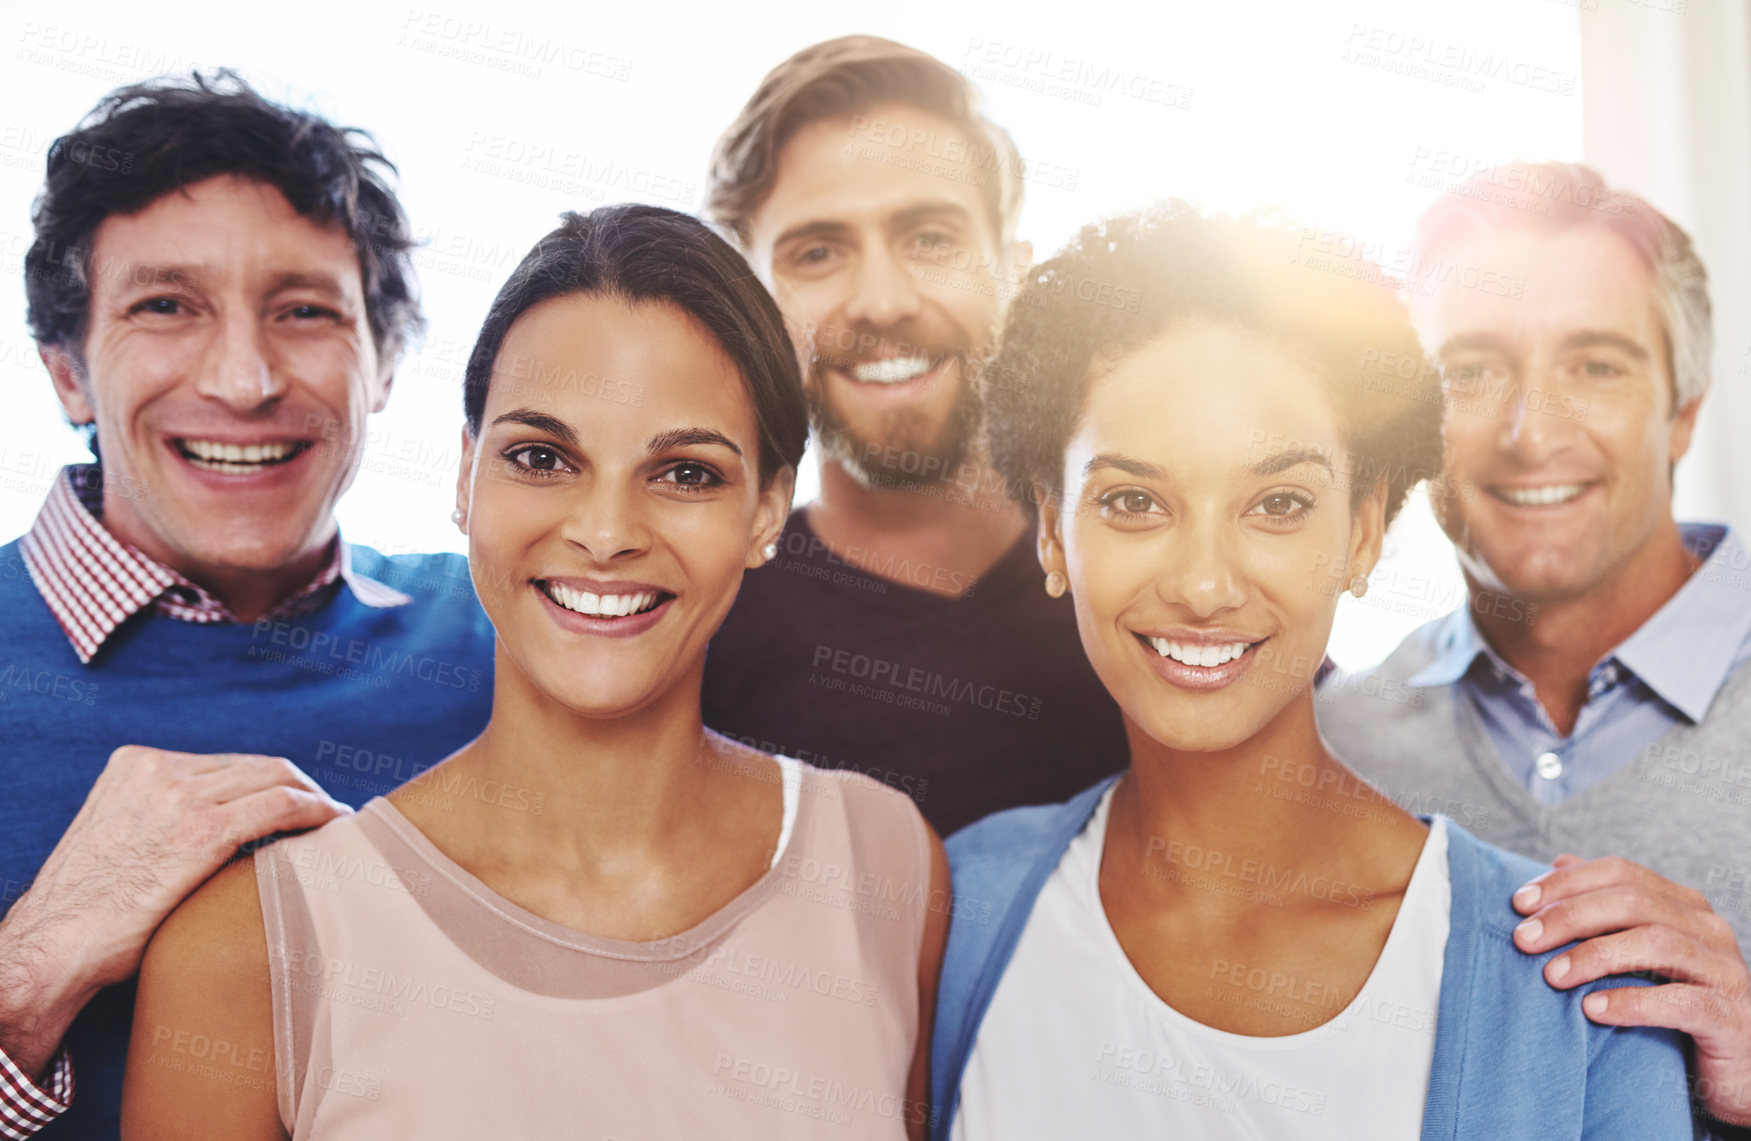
<point x="1514" y="1058"/>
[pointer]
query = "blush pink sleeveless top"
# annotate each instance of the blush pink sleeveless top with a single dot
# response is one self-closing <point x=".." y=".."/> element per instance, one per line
<point x="410" y="1000"/>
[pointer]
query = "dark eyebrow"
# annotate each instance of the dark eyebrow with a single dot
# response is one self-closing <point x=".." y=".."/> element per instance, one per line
<point x="1487" y="342"/>
<point x="541" y="422"/>
<point x="1589" y="338"/>
<point x="1283" y="461"/>
<point x="936" y="208"/>
<point x="819" y="228"/>
<point x="152" y="275"/>
<point x="901" y="219"/>
<point x="1114" y="461"/>
<point x="295" y="280"/>
<point x="687" y="437"/>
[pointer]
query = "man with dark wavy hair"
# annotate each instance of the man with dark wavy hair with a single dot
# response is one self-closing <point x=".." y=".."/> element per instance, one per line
<point x="220" y="288"/>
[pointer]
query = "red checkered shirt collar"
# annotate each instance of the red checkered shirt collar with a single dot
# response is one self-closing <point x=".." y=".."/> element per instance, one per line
<point x="93" y="582"/>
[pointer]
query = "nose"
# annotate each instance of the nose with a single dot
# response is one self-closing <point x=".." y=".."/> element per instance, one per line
<point x="1200" y="574"/>
<point x="882" y="293"/>
<point x="1532" y="432"/>
<point x="236" y="370"/>
<point x="607" y="522"/>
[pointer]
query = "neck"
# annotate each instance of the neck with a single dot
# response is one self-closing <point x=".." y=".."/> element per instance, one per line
<point x="940" y="537"/>
<point x="605" y="790"/>
<point x="1225" y="801"/>
<point x="247" y="592"/>
<point x="1556" y="642"/>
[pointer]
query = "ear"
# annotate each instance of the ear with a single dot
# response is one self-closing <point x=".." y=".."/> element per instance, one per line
<point x="385" y="381"/>
<point x="69" y="387"/>
<point x="464" y="480"/>
<point x="1050" y="541"/>
<point x="1683" y="429"/>
<point x="1021" y="259"/>
<point x="770" y="514"/>
<point x="1368" y="531"/>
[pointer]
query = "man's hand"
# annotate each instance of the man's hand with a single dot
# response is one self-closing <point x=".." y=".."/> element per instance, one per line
<point x="1633" y="920"/>
<point x="154" y="827"/>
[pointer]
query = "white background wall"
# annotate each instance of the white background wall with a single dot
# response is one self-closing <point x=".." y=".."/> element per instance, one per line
<point x="1667" y="110"/>
<point x="1352" y="114"/>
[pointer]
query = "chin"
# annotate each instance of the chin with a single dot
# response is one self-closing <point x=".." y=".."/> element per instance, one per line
<point x="1535" y="575"/>
<point x="606" y="697"/>
<point x="261" y="552"/>
<point x="1194" y="741"/>
<point x="1197" y="732"/>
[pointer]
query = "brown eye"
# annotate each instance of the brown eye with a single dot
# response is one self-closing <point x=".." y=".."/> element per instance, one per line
<point x="1127" y="501"/>
<point x="536" y="458"/>
<point x="1283" y="507"/>
<point x="691" y="474"/>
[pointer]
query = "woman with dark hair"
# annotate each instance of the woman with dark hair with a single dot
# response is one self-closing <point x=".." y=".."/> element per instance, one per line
<point x="598" y="918"/>
<point x="1236" y="938"/>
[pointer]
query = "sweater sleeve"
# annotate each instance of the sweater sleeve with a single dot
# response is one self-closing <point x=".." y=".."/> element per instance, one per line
<point x="1636" y="1086"/>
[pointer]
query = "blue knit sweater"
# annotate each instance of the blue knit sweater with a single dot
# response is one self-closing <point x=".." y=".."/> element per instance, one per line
<point x="1514" y="1059"/>
<point x="361" y="699"/>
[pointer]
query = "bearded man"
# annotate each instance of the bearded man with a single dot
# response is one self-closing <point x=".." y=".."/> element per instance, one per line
<point x="903" y="628"/>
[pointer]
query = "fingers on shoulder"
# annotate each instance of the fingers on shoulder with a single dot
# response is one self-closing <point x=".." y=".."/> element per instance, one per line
<point x="279" y="808"/>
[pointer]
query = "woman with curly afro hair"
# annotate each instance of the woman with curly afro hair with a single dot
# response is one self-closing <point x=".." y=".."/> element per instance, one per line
<point x="1236" y="937"/>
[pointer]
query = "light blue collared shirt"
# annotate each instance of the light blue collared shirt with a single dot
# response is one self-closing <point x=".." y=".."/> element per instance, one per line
<point x="1665" y="674"/>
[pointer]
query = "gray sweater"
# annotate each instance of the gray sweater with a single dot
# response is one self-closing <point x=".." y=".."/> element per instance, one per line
<point x="1681" y="807"/>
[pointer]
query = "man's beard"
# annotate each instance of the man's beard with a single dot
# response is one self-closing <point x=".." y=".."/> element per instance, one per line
<point x="903" y="452"/>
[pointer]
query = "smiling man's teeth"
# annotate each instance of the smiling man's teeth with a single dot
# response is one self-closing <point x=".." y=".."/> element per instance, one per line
<point x="236" y="459"/>
<point x="1189" y="654"/>
<point x="894" y="370"/>
<point x="1541" y="496"/>
<point x="601" y="605"/>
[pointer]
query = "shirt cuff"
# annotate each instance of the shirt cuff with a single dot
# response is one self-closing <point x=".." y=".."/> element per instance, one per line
<point x="26" y="1107"/>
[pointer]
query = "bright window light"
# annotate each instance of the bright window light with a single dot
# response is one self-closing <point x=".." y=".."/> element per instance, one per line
<point x="1350" y="116"/>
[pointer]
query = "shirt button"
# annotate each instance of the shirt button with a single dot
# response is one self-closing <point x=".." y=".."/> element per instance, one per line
<point x="184" y="595"/>
<point x="1549" y="766"/>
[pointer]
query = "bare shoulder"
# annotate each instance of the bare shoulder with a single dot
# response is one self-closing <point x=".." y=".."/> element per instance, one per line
<point x="201" y="1060"/>
<point x="218" y="928"/>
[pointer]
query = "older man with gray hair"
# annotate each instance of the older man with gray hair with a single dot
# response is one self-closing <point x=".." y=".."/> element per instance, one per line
<point x="1589" y="705"/>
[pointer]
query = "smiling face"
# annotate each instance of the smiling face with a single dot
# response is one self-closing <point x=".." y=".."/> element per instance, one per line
<point x="1560" y="431"/>
<point x="890" y="272"/>
<point x="229" y="370"/>
<point x="1201" y="519"/>
<point x="607" y="537"/>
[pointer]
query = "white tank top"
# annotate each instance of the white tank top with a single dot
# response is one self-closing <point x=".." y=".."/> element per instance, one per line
<point x="1075" y="1044"/>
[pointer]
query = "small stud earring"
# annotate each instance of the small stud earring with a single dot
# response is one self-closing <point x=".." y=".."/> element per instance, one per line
<point x="1057" y="584"/>
<point x="769" y="551"/>
<point x="456" y="516"/>
<point x="1359" y="585"/>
